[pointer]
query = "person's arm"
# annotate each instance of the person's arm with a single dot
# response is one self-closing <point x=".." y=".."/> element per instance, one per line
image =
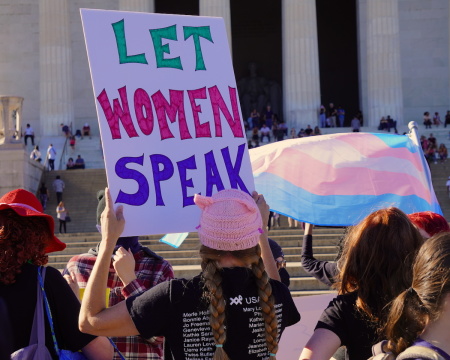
<point x="323" y="271"/>
<point x="94" y="317"/>
<point x="98" y="349"/>
<point x="266" y="252"/>
<point x="321" y="346"/>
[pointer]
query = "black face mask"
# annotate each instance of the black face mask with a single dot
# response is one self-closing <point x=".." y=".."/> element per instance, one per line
<point x="284" y="275"/>
<point x="129" y="243"/>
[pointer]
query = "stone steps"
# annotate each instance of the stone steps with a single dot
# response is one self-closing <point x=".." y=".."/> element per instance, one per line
<point x="79" y="197"/>
<point x="186" y="260"/>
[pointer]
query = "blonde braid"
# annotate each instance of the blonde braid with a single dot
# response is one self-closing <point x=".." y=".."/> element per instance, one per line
<point x="267" y="302"/>
<point x="213" y="282"/>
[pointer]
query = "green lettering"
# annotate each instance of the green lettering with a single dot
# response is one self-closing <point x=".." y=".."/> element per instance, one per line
<point x="165" y="33"/>
<point x="119" y="31"/>
<point x="196" y="33"/>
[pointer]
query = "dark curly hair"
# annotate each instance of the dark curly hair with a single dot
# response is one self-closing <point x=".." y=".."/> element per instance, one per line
<point x="22" y="239"/>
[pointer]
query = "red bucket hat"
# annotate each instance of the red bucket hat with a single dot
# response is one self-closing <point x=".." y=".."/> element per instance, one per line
<point x="25" y="203"/>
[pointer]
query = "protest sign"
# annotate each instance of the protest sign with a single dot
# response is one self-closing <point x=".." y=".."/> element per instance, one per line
<point x="168" y="112"/>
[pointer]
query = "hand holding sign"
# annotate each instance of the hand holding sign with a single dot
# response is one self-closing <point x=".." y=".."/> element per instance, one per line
<point x="112" y="221"/>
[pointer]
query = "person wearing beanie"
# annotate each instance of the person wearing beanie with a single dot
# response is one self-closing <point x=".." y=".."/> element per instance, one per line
<point x="26" y="237"/>
<point x="133" y="270"/>
<point x="231" y="310"/>
<point x="278" y="256"/>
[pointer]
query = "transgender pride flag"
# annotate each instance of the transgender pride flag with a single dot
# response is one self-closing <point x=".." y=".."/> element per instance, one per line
<point x="339" y="179"/>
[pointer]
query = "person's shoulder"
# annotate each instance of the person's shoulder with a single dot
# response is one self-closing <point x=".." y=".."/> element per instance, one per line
<point x="81" y="260"/>
<point x="52" y="274"/>
<point x="344" y="303"/>
<point x="278" y="285"/>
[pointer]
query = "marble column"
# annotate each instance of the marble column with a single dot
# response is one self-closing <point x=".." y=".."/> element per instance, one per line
<point x="220" y="8"/>
<point x="55" y="63"/>
<point x="301" y="81"/>
<point x="137" y="5"/>
<point x="384" y="72"/>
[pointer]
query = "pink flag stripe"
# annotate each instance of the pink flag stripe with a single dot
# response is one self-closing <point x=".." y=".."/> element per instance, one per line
<point x="372" y="146"/>
<point x="338" y="154"/>
<point x="344" y="181"/>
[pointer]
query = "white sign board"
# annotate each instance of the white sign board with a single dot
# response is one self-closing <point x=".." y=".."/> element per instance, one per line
<point x="169" y="115"/>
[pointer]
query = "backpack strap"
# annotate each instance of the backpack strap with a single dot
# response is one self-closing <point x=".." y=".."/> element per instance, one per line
<point x="419" y="352"/>
<point x="37" y="335"/>
<point x="383" y="356"/>
<point x="41" y="278"/>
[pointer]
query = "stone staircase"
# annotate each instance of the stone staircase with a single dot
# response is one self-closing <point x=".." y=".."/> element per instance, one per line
<point x="79" y="197"/>
<point x="186" y="261"/>
<point x="439" y="175"/>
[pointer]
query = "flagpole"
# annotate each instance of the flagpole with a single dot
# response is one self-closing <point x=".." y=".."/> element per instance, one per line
<point x="412" y="126"/>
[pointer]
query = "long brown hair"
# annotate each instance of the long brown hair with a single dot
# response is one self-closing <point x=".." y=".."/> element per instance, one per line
<point x="377" y="260"/>
<point x="213" y="282"/>
<point x="22" y="239"/>
<point x="422" y="302"/>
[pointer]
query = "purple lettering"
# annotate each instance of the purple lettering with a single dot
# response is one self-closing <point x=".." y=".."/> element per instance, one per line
<point x="141" y="196"/>
<point x="160" y="175"/>
<point x="233" y="171"/>
<point x="212" y="174"/>
<point x="183" y="166"/>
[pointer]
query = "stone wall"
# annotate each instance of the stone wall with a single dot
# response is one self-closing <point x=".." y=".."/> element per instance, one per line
<point x="83" y="93"/>
<point x="424" y="45"/>
<point x="19" y="57"/>
<point x="17" y="170"/>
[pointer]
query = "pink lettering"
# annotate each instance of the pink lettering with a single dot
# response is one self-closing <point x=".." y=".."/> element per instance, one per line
<point x="141" y="102"/>
<point x="201" y="130"/>
<point x="176" y="106"/>
<point x="119" y="113"/>
<point x="218" y="104"/>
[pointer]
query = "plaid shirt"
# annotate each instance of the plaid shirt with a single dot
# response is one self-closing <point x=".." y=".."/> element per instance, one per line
<point x="150" y="270"/>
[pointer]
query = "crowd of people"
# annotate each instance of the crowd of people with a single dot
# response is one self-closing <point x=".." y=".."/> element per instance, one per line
<point x="391" y="275"/>
<point x="431" y="151"/>
<point x="387" y="123"/>
<point x="264" y="127"/>
<point x="436" y="121"/>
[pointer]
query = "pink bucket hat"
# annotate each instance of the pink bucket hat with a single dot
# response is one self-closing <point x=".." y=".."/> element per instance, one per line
<point x="230" y="220"/>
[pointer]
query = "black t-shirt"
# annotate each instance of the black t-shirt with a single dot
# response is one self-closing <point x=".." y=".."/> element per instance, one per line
<point x="354" y="329"/>
<point x="176" y="310"/>
<point x="20" y="299"/>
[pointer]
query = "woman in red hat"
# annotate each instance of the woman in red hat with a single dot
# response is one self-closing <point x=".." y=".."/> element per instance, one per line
<point x="26" y="236"/>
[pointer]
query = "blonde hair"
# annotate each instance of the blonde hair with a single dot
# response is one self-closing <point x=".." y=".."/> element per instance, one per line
<point x="212" y="278"/>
